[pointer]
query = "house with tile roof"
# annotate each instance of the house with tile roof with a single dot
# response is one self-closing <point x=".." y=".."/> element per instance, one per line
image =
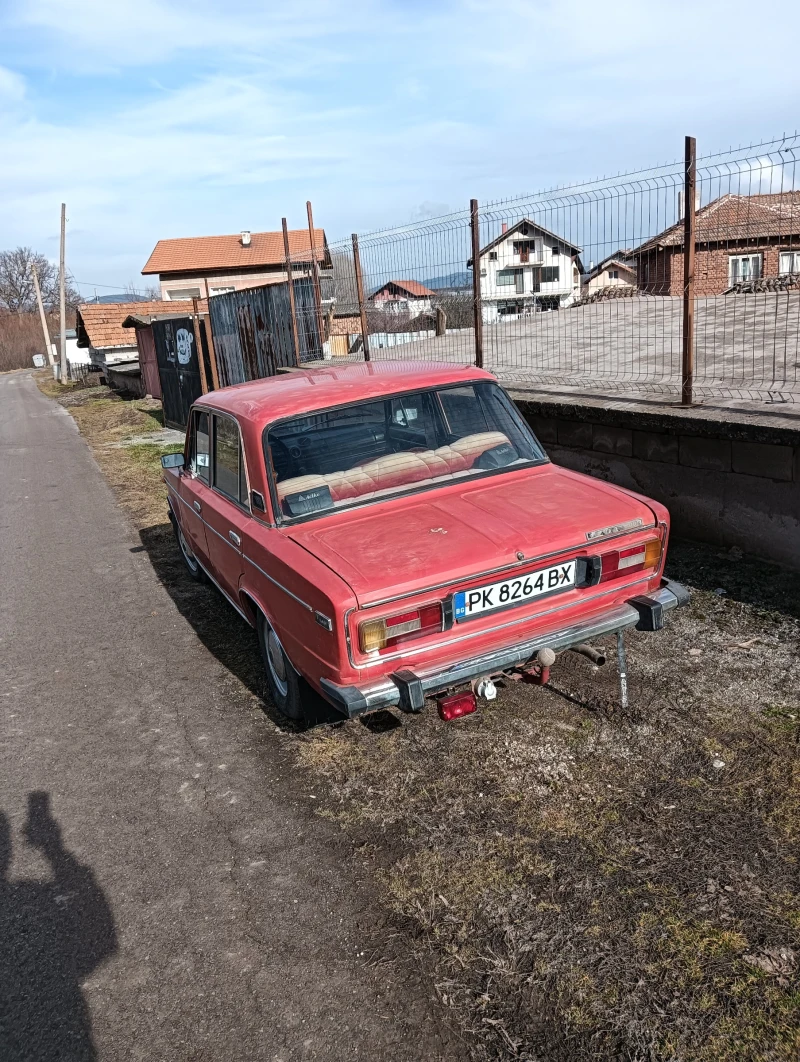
<point x="527" y="268"/>
<point x="739" y="240"/>
<point x="100" y="328"/>
<point x="615" y="271"/>
<point x="199" y="266"/>
<point x="407" y="298"/>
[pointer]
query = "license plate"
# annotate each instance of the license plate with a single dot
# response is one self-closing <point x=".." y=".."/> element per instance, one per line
<point x="516" y="591"/>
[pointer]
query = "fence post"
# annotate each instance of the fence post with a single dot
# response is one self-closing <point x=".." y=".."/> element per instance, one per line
<point x="198" y="346"/>
<point x="474" y="222"/>
<point x="690" y="180"/>
<point x="362" y="307"/>
<point x="290" y="280"/>
<point x="315" y="273"/>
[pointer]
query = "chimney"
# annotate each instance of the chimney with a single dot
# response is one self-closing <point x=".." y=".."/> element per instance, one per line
<point x="505" y="227"/>
<point x="245" y="237"/>
<point x="682" y="200"/>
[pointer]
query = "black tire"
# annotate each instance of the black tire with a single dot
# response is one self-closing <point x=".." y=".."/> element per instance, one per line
<point x="286" y="687"/>
<point x="189" y="559"/>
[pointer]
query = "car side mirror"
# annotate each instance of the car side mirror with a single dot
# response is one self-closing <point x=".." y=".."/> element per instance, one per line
<point x="172" y="461"/>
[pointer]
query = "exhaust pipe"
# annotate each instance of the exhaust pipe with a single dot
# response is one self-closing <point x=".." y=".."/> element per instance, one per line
<point x="590" y="653"/>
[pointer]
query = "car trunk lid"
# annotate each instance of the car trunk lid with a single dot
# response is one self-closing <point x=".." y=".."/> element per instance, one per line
<point x="411" y="544"/>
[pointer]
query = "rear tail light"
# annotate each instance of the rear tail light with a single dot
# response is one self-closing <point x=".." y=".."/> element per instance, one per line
<point x="456" y="704"/>
<point x="639" y="558"/>
<point x="377" y="634"/>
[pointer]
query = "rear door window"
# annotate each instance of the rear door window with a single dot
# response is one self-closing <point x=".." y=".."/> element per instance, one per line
<point x="199" y="462"/>
<point x="229" y="472"/>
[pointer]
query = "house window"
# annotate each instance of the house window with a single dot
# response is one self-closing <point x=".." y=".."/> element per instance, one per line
<point x="182" y="293"/>
<point x="613" y="274"/>
<point x="507" y="276"/>
<point x="789" y="262"/>
<point x="550" y="274"/>
<point x="555" y="252"/>
<point x="524" y="246"/>
<point x="492" y="256"/>
<point x="742" y="267"/>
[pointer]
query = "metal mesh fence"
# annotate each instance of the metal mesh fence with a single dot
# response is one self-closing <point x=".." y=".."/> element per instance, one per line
<point x="582" y="288"/>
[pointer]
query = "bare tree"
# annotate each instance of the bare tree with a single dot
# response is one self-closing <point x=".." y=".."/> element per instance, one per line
<point x="17" y="293"/>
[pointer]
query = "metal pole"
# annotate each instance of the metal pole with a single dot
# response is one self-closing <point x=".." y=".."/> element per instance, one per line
<point x="290" y="279"/>
<point x="315" y="271"/>
<point x="48" y="346"/>
<point x="362" y="306"/>
<point x="62" y="289"/>
<point x="690" y="180"/>
<point x="474" y="221"/>
<point x="198" y="346"/>
<point x="623" y="670"/>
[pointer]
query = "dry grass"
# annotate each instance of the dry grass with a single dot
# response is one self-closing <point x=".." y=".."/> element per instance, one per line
<point x="588" y="884"/>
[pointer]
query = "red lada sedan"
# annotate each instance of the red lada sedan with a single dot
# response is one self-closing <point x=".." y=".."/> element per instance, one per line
<point x="394" y="530"/>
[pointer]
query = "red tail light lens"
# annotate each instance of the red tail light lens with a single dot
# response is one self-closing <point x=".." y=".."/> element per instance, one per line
<point x="619" y="562"/>
<point x="388" y="631"/>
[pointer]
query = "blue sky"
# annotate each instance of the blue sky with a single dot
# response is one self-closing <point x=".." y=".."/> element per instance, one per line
<point x="155" y="118"/>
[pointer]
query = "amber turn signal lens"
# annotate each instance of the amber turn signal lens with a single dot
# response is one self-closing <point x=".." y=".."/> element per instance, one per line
<point x="652" y="553"/>
<point x="372" y="635"/>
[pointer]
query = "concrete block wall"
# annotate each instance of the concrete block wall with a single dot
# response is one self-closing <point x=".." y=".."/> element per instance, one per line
<point x="729" y="477"/>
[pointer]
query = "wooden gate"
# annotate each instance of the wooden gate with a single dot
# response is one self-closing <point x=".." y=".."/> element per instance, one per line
<point x="178" y="369"/>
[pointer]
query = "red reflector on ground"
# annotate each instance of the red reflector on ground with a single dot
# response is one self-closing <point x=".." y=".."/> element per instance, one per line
<point x="456" y="704"/>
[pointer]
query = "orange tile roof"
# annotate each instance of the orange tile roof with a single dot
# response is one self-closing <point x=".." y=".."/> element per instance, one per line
<point x="99" y="324"/>
<point x="200" y="253"/>
<point x="736" y="218"/>
<point x="411" y="287"/>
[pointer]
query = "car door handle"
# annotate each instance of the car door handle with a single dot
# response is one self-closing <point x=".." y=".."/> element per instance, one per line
<point x="234" y="538"/>
<point x="197" y="506"/>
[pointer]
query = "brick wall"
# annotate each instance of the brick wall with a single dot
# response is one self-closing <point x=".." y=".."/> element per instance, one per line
<point x="661" y="272"/>
<point x="730" y="479"/>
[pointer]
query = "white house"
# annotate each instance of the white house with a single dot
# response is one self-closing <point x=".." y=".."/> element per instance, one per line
<point x="527" y="268"/>
<point x="613" y="272"/>
<point x="407" y="297"/>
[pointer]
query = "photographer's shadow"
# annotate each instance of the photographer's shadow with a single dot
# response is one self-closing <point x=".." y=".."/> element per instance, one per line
<point x="53" y="935"/>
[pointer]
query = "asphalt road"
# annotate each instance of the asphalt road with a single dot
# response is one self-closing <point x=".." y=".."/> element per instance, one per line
<point x="165" y="891"/>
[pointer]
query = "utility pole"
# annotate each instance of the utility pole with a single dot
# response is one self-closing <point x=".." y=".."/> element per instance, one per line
<point x="48" y="346"/>
<point x="62" y="295"/>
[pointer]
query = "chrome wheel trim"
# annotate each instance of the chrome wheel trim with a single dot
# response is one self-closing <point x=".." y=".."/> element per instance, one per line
<point x="186" y="550"/>
<point x="276" y="660"/>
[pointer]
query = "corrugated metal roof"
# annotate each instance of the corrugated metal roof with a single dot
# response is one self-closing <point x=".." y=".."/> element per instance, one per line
<point x="202" y="253"/>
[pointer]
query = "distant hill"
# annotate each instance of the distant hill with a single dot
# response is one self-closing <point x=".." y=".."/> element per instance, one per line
<point x="452" y="280"/>
<point x="119" y="298"/>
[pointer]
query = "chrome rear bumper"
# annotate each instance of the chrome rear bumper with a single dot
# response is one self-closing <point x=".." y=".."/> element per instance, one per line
<point x="408" y="689"/>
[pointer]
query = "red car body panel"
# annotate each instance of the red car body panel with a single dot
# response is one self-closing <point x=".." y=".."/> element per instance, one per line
<point x="316" y="580"/>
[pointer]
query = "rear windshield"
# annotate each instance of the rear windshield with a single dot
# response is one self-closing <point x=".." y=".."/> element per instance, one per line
<point x="360" y="453"/>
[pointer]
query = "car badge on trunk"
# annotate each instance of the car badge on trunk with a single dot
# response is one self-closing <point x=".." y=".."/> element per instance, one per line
<point x="614" y="529"/>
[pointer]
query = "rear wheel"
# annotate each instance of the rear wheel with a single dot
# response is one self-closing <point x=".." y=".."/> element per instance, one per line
<point x="189" y="559"/>
<point x="285" y="685"/>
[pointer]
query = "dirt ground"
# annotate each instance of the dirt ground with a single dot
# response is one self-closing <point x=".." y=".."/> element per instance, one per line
<point x="587" y="883"/>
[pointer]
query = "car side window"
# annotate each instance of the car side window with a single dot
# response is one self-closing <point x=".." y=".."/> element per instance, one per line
<point x="200" y="463"/>
<point x="229" y="474"/>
